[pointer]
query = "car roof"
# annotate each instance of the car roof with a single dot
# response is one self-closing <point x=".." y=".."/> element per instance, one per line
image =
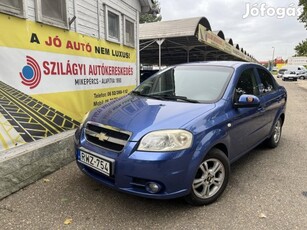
<point x="234" y="64"/>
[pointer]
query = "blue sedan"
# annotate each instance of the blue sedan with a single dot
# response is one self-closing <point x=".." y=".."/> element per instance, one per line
<point x="177" y="133"/>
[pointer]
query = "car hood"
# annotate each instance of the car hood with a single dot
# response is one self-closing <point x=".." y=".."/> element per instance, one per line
<point x="141" y="115"/>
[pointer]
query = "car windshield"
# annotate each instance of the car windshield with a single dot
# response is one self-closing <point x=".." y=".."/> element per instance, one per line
<point x="282" y="71"/>
<point x="187" y="83"/>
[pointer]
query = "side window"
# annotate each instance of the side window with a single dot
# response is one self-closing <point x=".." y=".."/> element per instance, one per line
<point x="267" y="81"/>
<point x="13" y="7"/>
<point x="247" y="84"/>
<point x="52" y="12"/>
<point x="129" y="32"/>
<point x="165" y="83"/>
<point x="113" y="19"/>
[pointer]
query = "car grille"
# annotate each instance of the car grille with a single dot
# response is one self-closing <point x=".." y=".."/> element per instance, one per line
<point x="106" y="136"/>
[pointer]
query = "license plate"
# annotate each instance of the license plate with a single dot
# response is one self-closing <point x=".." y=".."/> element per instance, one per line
<point x="97" y="163"/>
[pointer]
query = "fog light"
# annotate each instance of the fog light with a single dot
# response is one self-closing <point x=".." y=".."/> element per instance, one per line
<point x="153" y="187"/>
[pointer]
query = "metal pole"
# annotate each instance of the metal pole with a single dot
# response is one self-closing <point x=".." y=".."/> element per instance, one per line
<point x="188" y="49"/>
<point x="273" y="56"/>
<point x="160" y="41"/>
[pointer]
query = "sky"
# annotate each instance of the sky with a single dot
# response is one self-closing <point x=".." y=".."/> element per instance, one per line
<point x="262" y="28"/>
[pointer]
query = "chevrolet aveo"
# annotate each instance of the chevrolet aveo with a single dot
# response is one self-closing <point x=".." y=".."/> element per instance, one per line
<point x="177" y="133"/>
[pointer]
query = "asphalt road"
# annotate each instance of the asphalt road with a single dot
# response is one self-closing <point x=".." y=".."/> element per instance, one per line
<point x="267" y="190"/>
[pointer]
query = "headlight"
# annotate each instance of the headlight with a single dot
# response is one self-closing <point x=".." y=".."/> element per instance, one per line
<point x="166" y="140"/>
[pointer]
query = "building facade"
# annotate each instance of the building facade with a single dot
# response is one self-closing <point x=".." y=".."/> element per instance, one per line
<point x="61" y="58"/>
<point x="302" y="60"/>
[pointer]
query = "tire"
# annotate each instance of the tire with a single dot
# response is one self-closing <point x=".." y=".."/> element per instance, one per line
<point x="274" y="139"/>
<point x="210" y="180"/>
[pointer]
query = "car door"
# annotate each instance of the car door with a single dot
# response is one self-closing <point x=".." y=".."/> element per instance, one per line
<point x="270" y="99"/>
<point x="246" y="123"/>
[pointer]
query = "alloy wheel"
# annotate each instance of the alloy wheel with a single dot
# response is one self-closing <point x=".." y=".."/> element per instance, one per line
<point x="209" y="178"/>
<point x="277" y="131"/>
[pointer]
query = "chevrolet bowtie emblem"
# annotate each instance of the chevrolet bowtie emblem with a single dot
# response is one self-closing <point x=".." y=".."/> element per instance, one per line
<point x="102" y="136"/>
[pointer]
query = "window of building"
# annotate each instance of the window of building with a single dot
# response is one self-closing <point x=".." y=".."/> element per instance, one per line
<point x="113" y="20"/>
<point x="129" y="32"/>
<point x="52" y="12"/>
<point x="13" y="7"/>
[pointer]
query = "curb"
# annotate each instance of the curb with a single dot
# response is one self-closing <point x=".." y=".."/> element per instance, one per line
<point x="23" y="165"/>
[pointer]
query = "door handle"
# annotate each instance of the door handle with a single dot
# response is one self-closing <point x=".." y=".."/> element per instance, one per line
<point x="261" y="109"/>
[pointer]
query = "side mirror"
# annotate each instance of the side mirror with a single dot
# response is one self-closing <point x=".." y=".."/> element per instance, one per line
<point x="247" y="101"/>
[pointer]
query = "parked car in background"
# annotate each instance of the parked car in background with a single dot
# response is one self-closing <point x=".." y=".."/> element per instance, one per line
<point x="294" y="68"/>
<point x="303" y="75"/>
<point x="289" y="76"/>
<point x="281" y="73"/>
<point x="274" y="70"/>
<point x="177" y="133"/>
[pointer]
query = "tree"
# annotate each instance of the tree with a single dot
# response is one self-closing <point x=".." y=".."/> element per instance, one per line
<point x="301" y="48"/>
<point x="152" y="16"/>
<point x="303" y="17"/>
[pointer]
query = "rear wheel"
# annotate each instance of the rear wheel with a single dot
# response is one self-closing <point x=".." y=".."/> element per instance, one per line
<point x="210" y="180"/>
<point x="274" y="139"/>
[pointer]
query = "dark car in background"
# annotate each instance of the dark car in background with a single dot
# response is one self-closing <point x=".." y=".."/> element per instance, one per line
<point x="177" y="133"/>
<point x="145" y="74"/>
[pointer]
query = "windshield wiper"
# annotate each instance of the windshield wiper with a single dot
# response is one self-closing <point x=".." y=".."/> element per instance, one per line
<point x="159" y="97"/>
<point x="137" y="93"/>
<point x="183" y="98"/>
<point x="165" y="96"/>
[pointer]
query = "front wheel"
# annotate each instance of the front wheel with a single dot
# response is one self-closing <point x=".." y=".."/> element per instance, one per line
<point x="210" y="180"/>
<point x="274" y="139"/>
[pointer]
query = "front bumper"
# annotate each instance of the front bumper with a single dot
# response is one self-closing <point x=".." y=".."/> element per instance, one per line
<point x="133" y="171"/>
<point x="289" y="78"/>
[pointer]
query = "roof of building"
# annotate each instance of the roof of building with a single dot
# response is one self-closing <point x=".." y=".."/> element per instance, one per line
<point x="186" y="40"/>
<point x="175" y="28"/>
